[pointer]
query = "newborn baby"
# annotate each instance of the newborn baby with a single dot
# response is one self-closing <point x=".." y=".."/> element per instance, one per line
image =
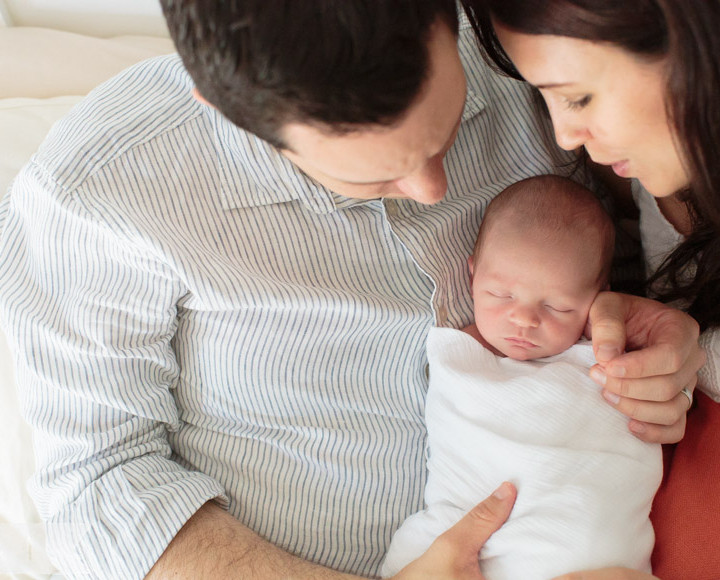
<point x="510" y="399"/>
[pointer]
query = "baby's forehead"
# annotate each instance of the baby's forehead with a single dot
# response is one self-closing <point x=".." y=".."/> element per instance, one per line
<point x="559" y="237"/>
<point x="571" y="255"/>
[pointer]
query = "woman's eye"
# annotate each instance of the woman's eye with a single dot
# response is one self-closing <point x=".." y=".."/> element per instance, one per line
<point x="579" y="103"/>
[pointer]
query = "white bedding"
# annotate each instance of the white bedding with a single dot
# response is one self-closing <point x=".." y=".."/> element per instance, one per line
<point x="45" y="73"/>
<point x="585" y="484"/>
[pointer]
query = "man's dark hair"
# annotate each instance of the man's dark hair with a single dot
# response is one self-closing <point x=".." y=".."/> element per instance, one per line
<point x="339" y="64"/>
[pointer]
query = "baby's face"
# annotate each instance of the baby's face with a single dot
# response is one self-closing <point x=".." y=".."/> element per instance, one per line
<point x="532" y="295"/>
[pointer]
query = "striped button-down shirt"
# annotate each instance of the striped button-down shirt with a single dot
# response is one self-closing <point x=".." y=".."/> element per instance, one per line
<point x="194" y="319"/>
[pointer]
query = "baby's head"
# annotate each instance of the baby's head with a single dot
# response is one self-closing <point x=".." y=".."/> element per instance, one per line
<point x="542" y="255"/>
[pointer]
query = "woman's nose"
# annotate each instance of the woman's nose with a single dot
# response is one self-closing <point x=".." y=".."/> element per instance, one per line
<point x="570" y="131"/>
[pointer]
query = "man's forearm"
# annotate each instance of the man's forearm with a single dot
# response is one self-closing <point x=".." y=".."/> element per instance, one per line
<point x="213" y="544"/>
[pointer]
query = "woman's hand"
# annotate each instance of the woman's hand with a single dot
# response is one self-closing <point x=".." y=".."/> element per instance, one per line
<point x="663" y="358"/>
<point x="608" y="574"/>
<point x="454" y="554"/>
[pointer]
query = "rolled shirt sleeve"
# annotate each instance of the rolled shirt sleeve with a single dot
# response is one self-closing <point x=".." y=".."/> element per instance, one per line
<point x="92" y="318"/>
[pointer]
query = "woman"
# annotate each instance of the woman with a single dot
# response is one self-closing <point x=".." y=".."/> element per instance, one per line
<point x="636" y="83"/>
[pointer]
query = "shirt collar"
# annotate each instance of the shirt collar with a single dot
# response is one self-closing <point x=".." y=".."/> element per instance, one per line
<point x="254" y="173"/>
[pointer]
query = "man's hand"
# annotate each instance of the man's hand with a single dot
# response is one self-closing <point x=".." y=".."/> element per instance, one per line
<point x="663" y="358"/>
<point x="454" y="554"/>
<point x="608" y="574"/>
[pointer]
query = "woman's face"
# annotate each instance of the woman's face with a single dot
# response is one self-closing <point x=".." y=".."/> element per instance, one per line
<point x="606" y="99"/>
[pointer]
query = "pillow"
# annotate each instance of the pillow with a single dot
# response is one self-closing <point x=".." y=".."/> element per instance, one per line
<point x="41" y="62"/>
<point x="685" y="510"/>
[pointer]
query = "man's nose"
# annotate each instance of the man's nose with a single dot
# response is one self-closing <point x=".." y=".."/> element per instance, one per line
<point x="428" y="185"/>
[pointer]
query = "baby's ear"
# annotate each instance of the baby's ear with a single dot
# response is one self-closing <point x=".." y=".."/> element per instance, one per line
<point x="470" y="262"/>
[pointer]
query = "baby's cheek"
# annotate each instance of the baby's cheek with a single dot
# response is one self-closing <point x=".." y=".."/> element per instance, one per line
<point x="572" y="332"/>
<point x="562" y="335"/>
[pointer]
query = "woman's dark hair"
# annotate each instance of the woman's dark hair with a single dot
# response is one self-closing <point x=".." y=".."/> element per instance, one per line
<point x="337" y="63"/>
<point x="685" y="32"/>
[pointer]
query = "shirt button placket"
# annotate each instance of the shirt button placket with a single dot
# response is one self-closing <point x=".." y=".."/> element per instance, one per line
<point x="441" y="315"/>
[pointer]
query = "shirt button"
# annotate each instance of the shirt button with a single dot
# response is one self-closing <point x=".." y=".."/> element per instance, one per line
<point x="442" y="315"/>
<point x="391" y="207"/>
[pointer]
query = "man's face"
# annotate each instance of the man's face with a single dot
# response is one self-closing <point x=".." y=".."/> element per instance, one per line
<point x="532" y="294"/>
<point x="404" y="160"/>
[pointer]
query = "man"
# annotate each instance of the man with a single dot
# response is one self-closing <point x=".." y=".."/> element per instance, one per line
<point x="206" y="314"/>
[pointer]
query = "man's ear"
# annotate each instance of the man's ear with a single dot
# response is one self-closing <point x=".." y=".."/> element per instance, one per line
<point x="200" y="99"/>
<point x="470" y="268"/>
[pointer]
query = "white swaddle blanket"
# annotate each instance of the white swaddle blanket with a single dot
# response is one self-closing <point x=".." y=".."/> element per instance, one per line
<point x="585" y="484"/>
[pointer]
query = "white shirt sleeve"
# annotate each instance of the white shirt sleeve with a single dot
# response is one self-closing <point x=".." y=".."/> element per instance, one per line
<point x="92" y="318"/>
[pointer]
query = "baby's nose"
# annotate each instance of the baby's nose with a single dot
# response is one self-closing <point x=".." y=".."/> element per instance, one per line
<point x="525" y="316"/>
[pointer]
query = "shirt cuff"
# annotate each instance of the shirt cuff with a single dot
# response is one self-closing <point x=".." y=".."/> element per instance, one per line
<point x="122" y="523"/>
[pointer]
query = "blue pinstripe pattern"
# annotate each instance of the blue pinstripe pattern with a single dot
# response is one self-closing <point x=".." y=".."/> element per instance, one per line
<point x="194" y="319"/>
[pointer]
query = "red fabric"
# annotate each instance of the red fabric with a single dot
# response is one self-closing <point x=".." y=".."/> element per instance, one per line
<point x="686" y="510"/>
